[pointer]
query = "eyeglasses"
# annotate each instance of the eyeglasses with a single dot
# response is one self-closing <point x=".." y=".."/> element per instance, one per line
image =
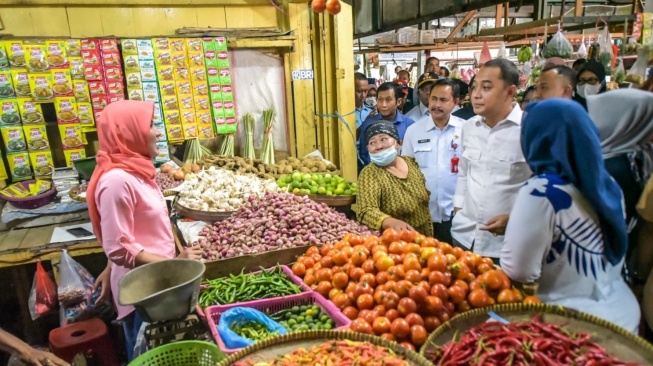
<point x="591" y="81"/>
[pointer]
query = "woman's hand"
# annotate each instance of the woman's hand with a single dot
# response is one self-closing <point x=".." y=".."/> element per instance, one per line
<point x="33" y="357"/>
<point x="191" y="253"/>
<point x="103" y="281"/>
<point x="496" y="225"/>
<point x="395" y="224"/>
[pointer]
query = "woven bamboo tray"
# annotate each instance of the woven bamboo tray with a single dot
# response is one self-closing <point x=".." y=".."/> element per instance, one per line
<point x="274" y="347"/>
<point x="333" y="201"/>
<point x="75" y="192"/>
<point x="616" y="340"/>
<point x="198" y="215"/>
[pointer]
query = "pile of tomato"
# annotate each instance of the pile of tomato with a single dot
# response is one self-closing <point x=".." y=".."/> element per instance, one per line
<point x="403" y="285"/>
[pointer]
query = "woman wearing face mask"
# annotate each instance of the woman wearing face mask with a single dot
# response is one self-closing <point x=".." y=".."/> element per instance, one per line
<point x="591" y="81"/>
<point x="392" y="190"/>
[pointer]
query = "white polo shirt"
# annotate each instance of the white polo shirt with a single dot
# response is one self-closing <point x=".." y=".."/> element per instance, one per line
<point x="434" y="150"/>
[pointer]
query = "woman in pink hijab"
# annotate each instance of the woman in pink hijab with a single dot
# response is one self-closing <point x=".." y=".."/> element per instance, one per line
<point x="128" y="211"/>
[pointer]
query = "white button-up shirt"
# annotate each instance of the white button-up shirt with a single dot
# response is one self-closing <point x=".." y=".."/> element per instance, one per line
<point x="492" y="170"/>
<point x="434" y="149"/>
<point x="418" y="112"/>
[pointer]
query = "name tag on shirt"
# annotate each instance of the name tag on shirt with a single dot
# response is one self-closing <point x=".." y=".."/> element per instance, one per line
<point x="423" y="141"/>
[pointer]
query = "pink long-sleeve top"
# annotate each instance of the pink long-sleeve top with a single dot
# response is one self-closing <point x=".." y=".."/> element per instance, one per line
<point x="134" y="217"/>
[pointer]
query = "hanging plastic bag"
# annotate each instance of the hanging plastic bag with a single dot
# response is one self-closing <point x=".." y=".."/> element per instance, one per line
<point x="582" y="50"/>
<point x="606" y="54"/>
<point x="43" y="296"/>
<point x="502" y="50"/>
<point x="242" y="315"/>
<point x="69" y="314"/>
<point x="637" y="73"/>
<point x="558" y="46"/>
<point x="619" y="74"/>
<point x="75" y="283"/>
<point x="485" y="55"/>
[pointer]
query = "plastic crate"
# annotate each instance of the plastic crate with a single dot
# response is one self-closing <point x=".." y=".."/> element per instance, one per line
<point x="294" y="279"/>
<point x="182" y="353"/>
<point x="275" y="305"/>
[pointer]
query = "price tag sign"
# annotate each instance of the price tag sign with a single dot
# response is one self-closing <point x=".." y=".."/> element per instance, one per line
<point x="302" y="75"/>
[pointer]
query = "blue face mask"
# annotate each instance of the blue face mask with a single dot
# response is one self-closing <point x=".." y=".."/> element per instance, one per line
<point x="385" y="157"/>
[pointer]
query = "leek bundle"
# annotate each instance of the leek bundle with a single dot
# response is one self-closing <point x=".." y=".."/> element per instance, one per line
<point x="248" y="122"/>
<point x="227" y="148"/>
<point x="267" y="149"/>
<point x="195" y="151"/>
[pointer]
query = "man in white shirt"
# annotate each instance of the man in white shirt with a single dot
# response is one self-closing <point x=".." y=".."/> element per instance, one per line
<point x="434" y="142"/>
<point x="424" y="84"/>
<point x="492" y="165"/>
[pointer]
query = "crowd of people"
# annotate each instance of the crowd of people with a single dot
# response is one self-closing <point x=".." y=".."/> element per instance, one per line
<point x="553" y="187"/>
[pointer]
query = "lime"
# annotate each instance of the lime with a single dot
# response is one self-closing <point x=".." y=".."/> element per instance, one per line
<point x="305" y="185"/>
<point x="321" y="190"/>
<point x="338" y="191"/>
<point x="295" y="191"/>
<point x="327" y="326"/>
<point x="292" y="322"/>
<point x="310" y="311"/>
<point x="329" y="193"/>
<point x="324" y="318"/>
<point x="314" y="190"/>
<point x="300" y="319"/>
<point x="296" y="176"/>
<point x="347" y="192"/>
<point x="308" y="319"/>
<point x="295" y="184"/>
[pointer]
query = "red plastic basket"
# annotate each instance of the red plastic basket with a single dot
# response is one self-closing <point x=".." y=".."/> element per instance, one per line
<point x="272" y="306"/>
<point x="294" y="279"/>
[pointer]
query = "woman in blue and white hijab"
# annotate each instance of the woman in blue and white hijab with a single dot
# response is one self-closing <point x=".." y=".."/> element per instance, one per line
<point x="567" y="230"/>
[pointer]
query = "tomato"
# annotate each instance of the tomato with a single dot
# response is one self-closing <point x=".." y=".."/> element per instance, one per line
<point x="429" y="243"/>
<point x="483" y="268"/>
<point x="407" y="235"/>
<point x="464" y="306"/>
<point x="396" y="273"/>
<point x="505" y="280"/>
<point x="418" y="335"/>
<point x="347" y="250"/>
<point x="356" y="240"/>
<point x="371" y="241"/>
<point x="427" y="253"/>
<point x="406" y="306"/>
<point x="462" y="284"/>
<point x="419" y="239"/>
<point x="431" y="323"/>
<point x="436" y="277"/>
<point x="407" y="345"/>
<point x="425" y="285"/>
<point x="491" y="280"/>
<point x="340" y="258"/>
<point x="361" y="326"/>
<point x="532" y="300"/>
<point x="340" y="280"/>
<point x="362" y="289"/>
<point x="475" y="284"/>
<point x="316" y="258"/>
<point x="413" y="276"/>
<point x="358" y="258"/>
<point x="449" y="307"/>
<point x="397" y="258"/>
<point x="324" y="274"/>
<point x="379" y="248"/>
<point x="356" y="273"/>
<point x="341" y="244"/>
<point x="441" y="291"/>
<point x="392" y="314"/>
<point x="299" y="269"/>
<point x="334" y="292"/>
<point x="381" y="325"/>
<point x="365" y="302"/>
<point x="468" y="260"/>
<point x="368" y="266"/>
<point x="379" y="295"/>
<point x="384" y="263"/>
<point x="414" y="319"/>
<point x="400" y="328"/>
<point x="368" y="315"/>
<point x="324" y="287"/>
<point x="389" y="236"/>
<point x="390" y="300"/>
<point x="451" y="259"/>
<point x="411" y="263"/>
<point x="437" y="262"/>
<point x="341" y="301"/>
<point x="395" y="248"/>
<point x="402" y="288"/>
<point x="418" y="294"/>
<point x="444" y="317"/>
<point x="368" y="278"/>
<point x="312" y="250"/>
<point x="506" y="296"/>
<point x="379" y="310"/>
<point x="457" y="294"/>
<point x="350" y="312"/>
<point x="412" y="248"/>
<point x="478" y="298"/>
<point x="425" y="272"/>
<point x="446" y="248"/>
<point x="433" y="305"/>
<point x="389" y="337"/>
<point x="310" y="279"/>
<point x="390" y="285"/>
<point x="326" y="248"/>
<point x="457" y="252"/>
<point x="519" y="297"/>
<point x="381" y="278"/>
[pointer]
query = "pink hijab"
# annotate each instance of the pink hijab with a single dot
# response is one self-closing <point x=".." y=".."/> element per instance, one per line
<point x="123" y="131"/>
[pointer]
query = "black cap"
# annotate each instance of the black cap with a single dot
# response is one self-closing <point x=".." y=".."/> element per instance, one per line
<point x="427" y="77"/>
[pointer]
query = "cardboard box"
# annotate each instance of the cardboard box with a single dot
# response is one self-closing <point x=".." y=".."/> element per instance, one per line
<point x="13" y="138"/>
<point x="19" y="166"/>
<point x="43" y="163"/>
<point x="9" y="113"/>
<point x="66" y="108"/>
<point x="37" y="138"/>
<point x="30" y="112"/>
<point x="71" y="136"/>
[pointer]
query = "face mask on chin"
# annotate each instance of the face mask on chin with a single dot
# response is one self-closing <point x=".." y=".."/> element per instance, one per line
<point x="385" y="157"/>
<point x="587" y="90"/>
<point x="370" y="102"/>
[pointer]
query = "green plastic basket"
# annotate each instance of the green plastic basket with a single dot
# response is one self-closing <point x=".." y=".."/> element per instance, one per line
<point x="182" y="353"/>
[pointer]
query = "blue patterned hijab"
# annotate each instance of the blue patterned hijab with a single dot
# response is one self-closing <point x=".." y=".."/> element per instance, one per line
<point x="558" y="137"/>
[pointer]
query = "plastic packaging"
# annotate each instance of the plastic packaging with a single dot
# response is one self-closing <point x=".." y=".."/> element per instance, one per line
<point x="558" y="46"/>
<point x="502" y="50"/>
<point x="75" y="283"/>
<point x="582" y="50"/>
<point x="485" y="54"/>
<point x="637" y="73"/>
<point x="231" y="316"/>
<point x="619" y="74"/>
<point x="606" y="54"/>
<point x="43" y="296"/>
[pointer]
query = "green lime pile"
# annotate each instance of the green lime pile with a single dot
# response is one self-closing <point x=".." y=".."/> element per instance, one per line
<point x="304" y="317"/>
<point x="324" y="184"/>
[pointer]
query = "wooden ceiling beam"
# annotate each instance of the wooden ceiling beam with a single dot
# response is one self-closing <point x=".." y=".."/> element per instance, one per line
<point x="470" y="14"/>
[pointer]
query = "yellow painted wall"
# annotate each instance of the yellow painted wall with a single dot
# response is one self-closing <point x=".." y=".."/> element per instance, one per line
<point x="127" y="21"/>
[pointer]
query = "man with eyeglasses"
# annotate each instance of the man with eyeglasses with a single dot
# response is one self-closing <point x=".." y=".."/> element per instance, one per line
<point x="591" y="81"/>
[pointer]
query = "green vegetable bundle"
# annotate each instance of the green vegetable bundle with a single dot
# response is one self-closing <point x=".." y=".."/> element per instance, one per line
<point x="525" y="54"/>
<point x="255" y="286"/>
<point x="267" y="150"/>
<point x="252" y="330"/>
